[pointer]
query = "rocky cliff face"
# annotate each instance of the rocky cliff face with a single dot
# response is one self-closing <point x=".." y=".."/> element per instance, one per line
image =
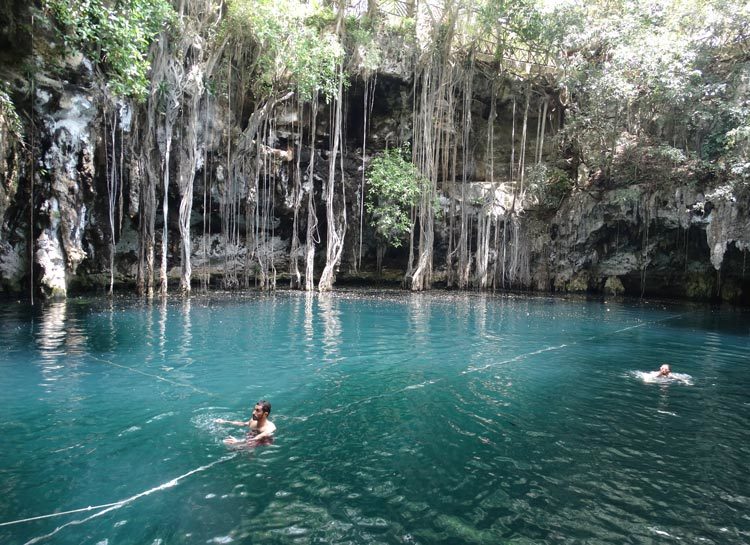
<point x="679" y="239"/>
<point x="66" y="114"/>
<point x="674" y="241"/>
<point x="12" y="249"/>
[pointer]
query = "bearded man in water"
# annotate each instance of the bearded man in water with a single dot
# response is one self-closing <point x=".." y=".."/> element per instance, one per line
<point x="260" y="431"/>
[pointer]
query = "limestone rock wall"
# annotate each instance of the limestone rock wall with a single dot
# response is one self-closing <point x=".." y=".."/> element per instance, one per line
<point x="672" y="239"/>
<point x="67" y="114"/>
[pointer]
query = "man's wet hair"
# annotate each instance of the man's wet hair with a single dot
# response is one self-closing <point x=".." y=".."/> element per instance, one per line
<point x="265" y="406"/>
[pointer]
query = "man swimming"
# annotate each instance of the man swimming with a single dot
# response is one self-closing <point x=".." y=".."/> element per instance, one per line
<point x="261" y="429"/>
<point x="664" y="376"/>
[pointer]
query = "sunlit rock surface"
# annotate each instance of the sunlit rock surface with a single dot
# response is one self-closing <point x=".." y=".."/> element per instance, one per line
<point x="66" y="114"/>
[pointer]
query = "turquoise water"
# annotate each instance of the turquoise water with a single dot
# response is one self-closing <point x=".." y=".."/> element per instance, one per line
<point x="427" y="418"/>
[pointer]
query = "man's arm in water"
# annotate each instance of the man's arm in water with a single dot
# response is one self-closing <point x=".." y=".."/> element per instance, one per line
<point x="233" y="422"/>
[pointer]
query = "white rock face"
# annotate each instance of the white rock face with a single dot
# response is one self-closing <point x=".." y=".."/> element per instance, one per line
<point x="49" y="255"/>
<point x="727" y="223"/>
<point x="13" y="265"/>
<point x="70" y="167"/>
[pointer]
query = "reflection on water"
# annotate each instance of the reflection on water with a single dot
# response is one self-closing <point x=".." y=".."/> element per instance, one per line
<point x="149" y="341"/>
<point x="186" y="346"/>
<point x="329" y="314"/>
<point x="309" y="333"/>
<point x="163" y="328"/>
<point x="52" y="335"/>
<point x="59" y="341"/>
<point x="403" y="418"/>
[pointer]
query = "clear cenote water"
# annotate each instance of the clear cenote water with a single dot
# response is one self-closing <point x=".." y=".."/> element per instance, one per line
<point x="420" y="419"/>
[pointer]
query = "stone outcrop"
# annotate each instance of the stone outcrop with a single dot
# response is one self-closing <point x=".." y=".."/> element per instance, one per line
<point x="67" y="114"/>
<point x="665" y="241"/>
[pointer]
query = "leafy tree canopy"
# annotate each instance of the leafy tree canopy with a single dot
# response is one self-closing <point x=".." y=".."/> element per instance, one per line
<point x="116" y="34"/>
<point x="660" y="73"/>
<point x="293" y="45"/>
<point x="665" y="72"/>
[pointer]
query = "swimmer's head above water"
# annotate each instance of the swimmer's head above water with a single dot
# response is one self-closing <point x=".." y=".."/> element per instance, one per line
<point x="262" y="409"/>
<point x="664" y="370"/>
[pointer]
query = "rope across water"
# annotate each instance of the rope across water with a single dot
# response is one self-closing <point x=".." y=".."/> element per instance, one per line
<point x="107" y="507"/>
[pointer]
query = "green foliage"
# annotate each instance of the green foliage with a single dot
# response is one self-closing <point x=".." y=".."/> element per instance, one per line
<point x="670" y="154"/>
<point x="640" y="161"/>
<point x="394" y="186"/>
<point x="548" y="185"/>
<point x="11" y="139"/>
<point x="314" y="65"/>
<point x="323" y="18"/>
<point x="408" y="26"/>
<point x="9" y="117"/>
<point x="292" y="46"/>
<point x="116" y="35"/>
<point x="727" y="126"/>
<point x="662" y="76"/>
<point x="366" y="50"/>
<point x="513" y="24"/>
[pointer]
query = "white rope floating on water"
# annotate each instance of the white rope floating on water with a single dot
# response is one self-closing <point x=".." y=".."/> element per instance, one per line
<point x="58" y="514"/>
<point x="572" y="343"/>
<point x="157" y="377"/>
<point x="495" y="364"/>
<point x="107" y="507"/>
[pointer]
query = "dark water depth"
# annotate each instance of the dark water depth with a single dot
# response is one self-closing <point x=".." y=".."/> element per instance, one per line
<point x="421" y="419"/>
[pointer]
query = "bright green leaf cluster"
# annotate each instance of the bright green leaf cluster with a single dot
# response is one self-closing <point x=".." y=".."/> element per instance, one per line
<point x="292" y="47"/>
<point x="116" y="35"/>
<point x="394" y="186"/>
<point x="9" y="117"/>
<point x="512" y="25"/>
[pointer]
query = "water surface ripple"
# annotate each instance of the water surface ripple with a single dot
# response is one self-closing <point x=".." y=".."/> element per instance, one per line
<point x="403" y="418"/>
